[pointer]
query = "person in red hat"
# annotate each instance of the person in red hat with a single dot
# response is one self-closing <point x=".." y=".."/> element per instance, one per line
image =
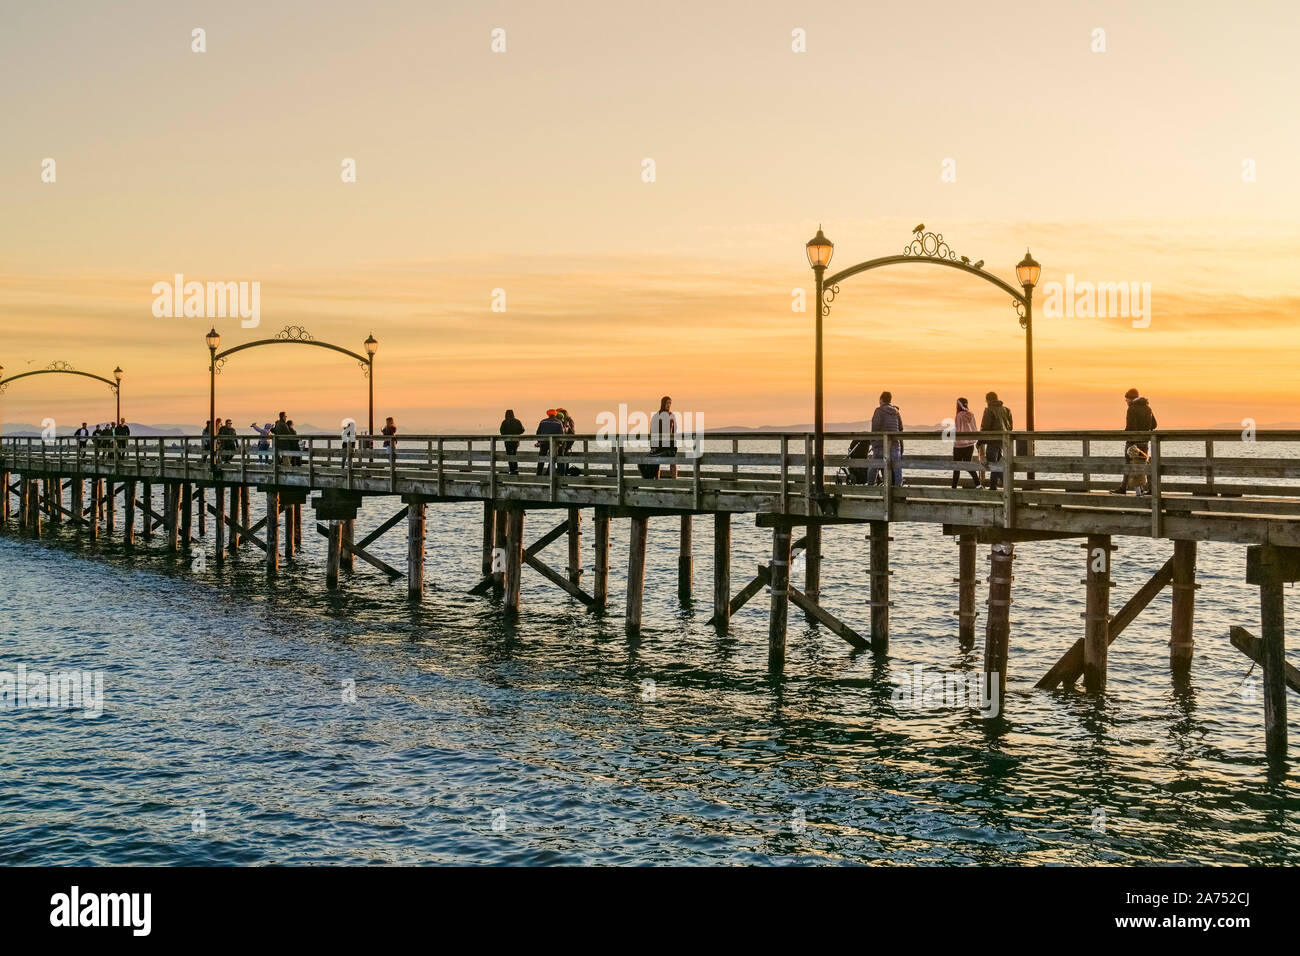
<point x="550" y="425"/>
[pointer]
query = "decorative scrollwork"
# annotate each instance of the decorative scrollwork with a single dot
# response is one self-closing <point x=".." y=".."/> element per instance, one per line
<point x="828" y="296"/>
<point x="294" y="333"/>
<point x="365" y="368"/>
<point x="929" y="245"/>
<point x="217" y="366"/>
<point x="58" y="365"/>
<point x="1020" y="311"/>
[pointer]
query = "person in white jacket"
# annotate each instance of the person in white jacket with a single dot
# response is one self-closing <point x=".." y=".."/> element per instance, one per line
<point x="964" y="448"/>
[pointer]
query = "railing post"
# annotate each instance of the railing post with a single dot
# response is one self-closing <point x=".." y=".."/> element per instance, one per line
<point x="1087" y="475"/>
<point x="1008" y="482"/>
<point x="275" y="459"/>
<point x="1154" y="464"/>
<point x="696" y="489"/>
<point x="785" y="474"/>
<point x="554" y="476"/>
<point x="162" y="455"/>
<point x="618" y="465"/>
<point x="1209" y="465"/>
<point x="808" y="473"/>
<point x="492" y="466"/>
<point x="888" y="495"/>
<point x="392" y="467"/>
<point x="442" y="481"/>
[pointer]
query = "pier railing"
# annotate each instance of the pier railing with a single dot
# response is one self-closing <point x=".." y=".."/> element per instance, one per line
<point x="1205" y="474"/>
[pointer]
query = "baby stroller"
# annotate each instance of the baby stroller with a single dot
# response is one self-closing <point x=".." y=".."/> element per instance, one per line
<point x="1140" y="481"/>
<point x="855" y="475"/>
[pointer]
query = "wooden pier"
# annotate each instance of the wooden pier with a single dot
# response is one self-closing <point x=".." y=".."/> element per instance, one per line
<point x="1205" y="486"/>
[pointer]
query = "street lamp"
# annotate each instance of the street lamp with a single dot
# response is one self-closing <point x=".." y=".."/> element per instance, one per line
<point x="372" y="346"/>
<point x="213" y="338"/>
<point x="117" y="375"/>
<point x="1027" y="272"/>
<point x="820" y="250"/>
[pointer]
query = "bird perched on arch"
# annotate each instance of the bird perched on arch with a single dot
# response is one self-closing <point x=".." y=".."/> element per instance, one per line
<point x="917" y="229"/>
<point x="979" y="265"/>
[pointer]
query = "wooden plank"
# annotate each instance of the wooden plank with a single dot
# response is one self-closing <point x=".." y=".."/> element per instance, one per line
<point x="559" y="580"/>
<point x="1070" y="667"/>
<point x="1253" y="647"/>
<point x="827" y="620"/>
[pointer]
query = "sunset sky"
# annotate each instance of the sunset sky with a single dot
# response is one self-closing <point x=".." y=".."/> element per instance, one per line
<point x="522" y="171"/>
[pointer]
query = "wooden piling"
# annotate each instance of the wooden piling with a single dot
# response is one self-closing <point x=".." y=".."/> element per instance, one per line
<point x="600" y="586"/>
<point x="966" y="613"/>
<point x="880" y="586"/>
<point x="297" y="527"/>
<point x="345" y="538"/>
<point x="78" y="504"/>
<point x="172" y="514"/>
<point x="202" y="509"/>
<point x="56" y="499"/>
<point x="812" y="558"/>
<point x="1096" y="615"/>
<point x="499" y="551"/>
<point x="332" y="556"/>
<point x="415" y="549"/>
<point x="997" y="628"/>
<point x="780" y="583"/>
<point x="489" y="536"/>
<point x="636" y="572"/>
<point x="94" y="508"/>
<point x="218" y="524"/>
<point x="1273" y="649"/>
<point x="146" y="498"/>
<point x="722" y="571"/>
<point x="290" y="537"/>
<point x="4" y="496"/>
<point x="684" y="560"/>
<point x="514" y="558"/>
<point x="273" y="532"/>
<point x="1181" y="642"/>
<point x="234" y="516"/>
<point x="110" y="506"/>
<point x="128" y="516"/>
<point x="575" y="545"/>
<point x="187" y="513"/>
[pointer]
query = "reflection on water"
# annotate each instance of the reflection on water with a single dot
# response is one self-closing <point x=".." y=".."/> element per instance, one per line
<point x="476" y="739"/>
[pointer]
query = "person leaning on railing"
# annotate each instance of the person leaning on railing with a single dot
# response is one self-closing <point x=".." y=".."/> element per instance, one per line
<point x="887" y="418"/>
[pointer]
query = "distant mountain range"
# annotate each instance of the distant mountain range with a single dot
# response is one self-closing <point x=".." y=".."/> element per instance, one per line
<point x="138" y="430"/>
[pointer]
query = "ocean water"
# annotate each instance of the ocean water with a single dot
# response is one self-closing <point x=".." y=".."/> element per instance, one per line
<point x="228" y="735"/>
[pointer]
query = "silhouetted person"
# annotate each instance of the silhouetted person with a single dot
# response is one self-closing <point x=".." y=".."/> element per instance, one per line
<point x="550" y="425"/>
<point x="512" y="426"/>
<point x="389" y="430"/>
<point x="82" y="434"/>
<point x="663" y="437"/>
<point x="997" y="418"/>
<point x="887" y="418"/>
<point x="1140" y="418"/>
<point x="964" y="448"/>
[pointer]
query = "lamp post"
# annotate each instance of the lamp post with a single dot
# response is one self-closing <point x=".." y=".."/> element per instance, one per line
<point x="117" y="389"/>
<point x="213" y="338"/>
<point x="372" y="346"/>
<point x="819" y="256"/>
<point x="1027" y="271"/>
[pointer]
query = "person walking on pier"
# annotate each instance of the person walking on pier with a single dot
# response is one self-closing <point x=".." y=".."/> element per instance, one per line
<point x="964" y="448"/>
<point x="389" y="430"/>
<point x="887" y="418"/>
<point x="82" y="434"/>
<point x="512" y="426"/>
<point x="263" y="440"/>
<point x="997" y="418"/>
<point x="1139" y="418"/>
<point x="550" y="425"/>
